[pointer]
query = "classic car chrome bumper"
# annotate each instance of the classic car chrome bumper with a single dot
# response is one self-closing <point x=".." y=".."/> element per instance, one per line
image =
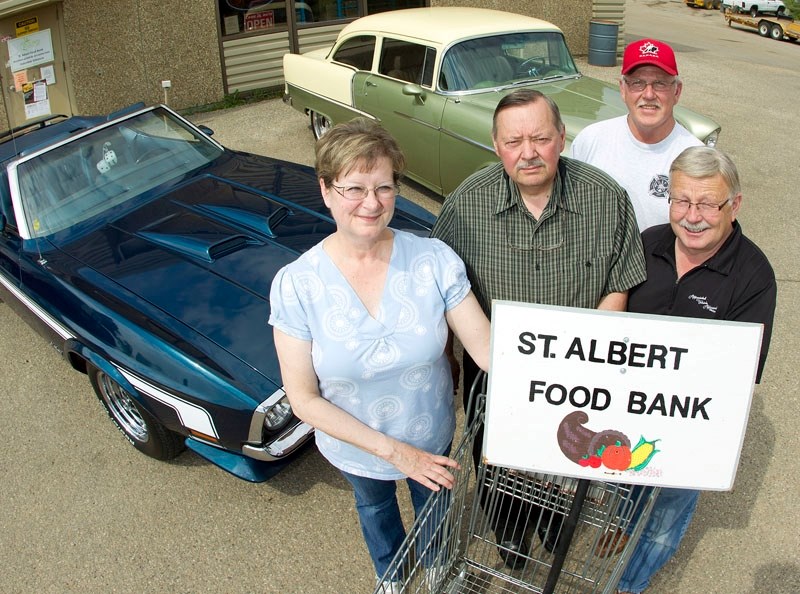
<point x="289" y="441"/>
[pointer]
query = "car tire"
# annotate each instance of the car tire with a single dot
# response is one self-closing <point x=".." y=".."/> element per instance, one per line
<point x="320" y="125"/>
<point x="776" y="32"/>
<point x="138" y="426"/>
<point x="764" y="28"/>
<point x="754" y="11"/>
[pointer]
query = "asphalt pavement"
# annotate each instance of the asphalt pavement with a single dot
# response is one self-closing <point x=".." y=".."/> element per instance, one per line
<point x="81" y="511"/>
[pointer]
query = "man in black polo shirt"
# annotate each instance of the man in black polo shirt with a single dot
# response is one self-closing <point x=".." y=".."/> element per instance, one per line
<point x="700" y="265"/>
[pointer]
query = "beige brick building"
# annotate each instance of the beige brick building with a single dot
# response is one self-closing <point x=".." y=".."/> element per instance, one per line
<point x="84" y="56"/>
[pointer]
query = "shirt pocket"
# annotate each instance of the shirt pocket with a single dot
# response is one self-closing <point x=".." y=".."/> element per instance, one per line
<point x="578" y="282"/>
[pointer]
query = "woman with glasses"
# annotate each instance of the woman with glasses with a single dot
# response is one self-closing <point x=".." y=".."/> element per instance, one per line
<point x="360" y="326"/>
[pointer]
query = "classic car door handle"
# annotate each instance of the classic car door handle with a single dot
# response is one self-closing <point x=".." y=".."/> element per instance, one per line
<point x="369" y="83"/>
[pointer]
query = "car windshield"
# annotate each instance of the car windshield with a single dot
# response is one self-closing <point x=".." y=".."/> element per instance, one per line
<point x="101" y="170"/>
<point x="505" y="59"/>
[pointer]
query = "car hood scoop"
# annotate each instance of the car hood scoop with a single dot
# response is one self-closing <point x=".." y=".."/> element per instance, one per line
<point x="207" y="246"/>
<point x="205" y="255"/>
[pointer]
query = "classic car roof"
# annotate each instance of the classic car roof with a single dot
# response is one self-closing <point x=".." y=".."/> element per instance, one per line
<point x="443" y="24"/>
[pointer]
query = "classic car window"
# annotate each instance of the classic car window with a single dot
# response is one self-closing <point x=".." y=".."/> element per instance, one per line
<point x="96" y="172"/>
<point x="427" y="68"/>
<point x="407" y="61"/>
<point x="356" y="51"/>
<point x="505" y="59"/>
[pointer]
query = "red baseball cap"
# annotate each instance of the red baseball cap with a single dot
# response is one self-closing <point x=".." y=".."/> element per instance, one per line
<point x="649" y="52"/>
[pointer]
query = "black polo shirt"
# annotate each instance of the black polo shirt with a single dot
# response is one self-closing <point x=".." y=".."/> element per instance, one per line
<point x="737" y="283"/>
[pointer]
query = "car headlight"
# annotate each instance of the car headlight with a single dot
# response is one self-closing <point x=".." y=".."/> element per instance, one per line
<point x="711" y="139"/>
<point x="277" y="416"/>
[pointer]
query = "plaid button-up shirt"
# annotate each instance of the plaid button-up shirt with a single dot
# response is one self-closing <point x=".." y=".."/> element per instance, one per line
<point x="584" y="246"/>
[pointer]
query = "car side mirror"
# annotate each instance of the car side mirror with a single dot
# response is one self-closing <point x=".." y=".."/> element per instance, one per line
<point x="206" y="130"/>
<point x="413" y="90"/>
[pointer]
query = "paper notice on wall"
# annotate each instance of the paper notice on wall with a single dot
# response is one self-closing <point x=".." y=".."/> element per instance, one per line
<point x="20" y="78"/>
<point x="231" y="24"/>
<point x="34" y="95"/>
<point x="48" y="73"/>
<point x="38" y="109"/>
<point x="30" y="50"/>
<point x="39" y="91"/>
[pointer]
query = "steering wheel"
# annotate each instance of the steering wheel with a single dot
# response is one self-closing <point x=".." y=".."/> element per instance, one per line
<point x="535" y="66"/>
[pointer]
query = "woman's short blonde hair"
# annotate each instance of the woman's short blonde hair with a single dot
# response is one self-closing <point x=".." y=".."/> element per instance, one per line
<point x="357" y="144"/>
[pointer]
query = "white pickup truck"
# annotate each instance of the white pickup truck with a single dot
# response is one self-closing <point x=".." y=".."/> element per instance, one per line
<point x="754" y="7"/>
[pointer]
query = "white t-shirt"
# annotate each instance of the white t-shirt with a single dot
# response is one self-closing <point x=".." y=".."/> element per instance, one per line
<point x="642" y="169"/>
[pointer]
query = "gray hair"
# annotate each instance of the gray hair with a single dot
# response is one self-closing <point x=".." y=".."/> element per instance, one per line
<point x="700" y="162"/>
<point x="525" y="97"/>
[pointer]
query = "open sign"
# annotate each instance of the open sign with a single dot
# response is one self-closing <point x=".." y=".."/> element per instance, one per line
<point x="255" y="21"/>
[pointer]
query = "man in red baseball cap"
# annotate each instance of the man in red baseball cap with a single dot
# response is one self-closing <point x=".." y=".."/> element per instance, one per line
<point x="637" y="149"/>
<point x="649" y="52"/>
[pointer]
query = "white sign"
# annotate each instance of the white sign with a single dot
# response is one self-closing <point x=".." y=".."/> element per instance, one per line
<point x="30" y="50"/>
<point x="619" y="397"/>
<point x="48" y="73"/>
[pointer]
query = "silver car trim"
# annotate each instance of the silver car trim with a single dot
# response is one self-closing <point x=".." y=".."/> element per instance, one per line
<point x="469" y="141"/>
<point x="521" y="83"/>
<point x="287" y="443"/>
<point x="257" y="420"/>
<point x="337" y="103"/>
<point x="37" y="309"/>
<point x="417" y="121"/>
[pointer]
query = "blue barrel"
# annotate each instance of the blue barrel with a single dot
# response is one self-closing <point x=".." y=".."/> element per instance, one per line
<point x="603" y="43"/>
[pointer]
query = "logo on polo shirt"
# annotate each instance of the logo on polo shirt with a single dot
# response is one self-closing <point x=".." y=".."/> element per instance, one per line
<point x="703" y="303"/>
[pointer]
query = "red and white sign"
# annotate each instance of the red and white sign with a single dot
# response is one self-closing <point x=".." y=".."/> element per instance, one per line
<point x="619" y="397"/>
<point x="255" y="21"/>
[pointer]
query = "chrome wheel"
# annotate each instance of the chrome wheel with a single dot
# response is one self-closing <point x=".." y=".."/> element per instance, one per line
<point x="138" y="426"/>
<point x="320" y="124"/>
<point x="122" y="407"/>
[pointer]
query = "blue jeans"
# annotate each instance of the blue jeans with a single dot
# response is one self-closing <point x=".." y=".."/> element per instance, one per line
<point x="381" y="523"/>
<point x="672" y="511"/>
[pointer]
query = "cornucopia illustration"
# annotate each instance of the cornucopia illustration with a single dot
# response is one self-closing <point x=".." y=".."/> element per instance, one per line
<point x="609" y="448"/>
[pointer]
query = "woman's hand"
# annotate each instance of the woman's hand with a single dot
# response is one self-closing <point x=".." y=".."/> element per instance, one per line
<point x="427" y="469"/>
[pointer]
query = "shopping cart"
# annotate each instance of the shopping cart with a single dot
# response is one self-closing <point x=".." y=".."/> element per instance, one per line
<point x="452" y="547"/>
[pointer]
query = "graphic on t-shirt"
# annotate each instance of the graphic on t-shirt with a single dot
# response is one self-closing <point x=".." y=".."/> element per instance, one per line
<point x="659" y="186"/>
<point x="609" y="448"/>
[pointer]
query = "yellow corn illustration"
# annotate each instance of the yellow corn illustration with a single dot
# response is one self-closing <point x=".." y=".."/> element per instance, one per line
<point x="642" y="453"/>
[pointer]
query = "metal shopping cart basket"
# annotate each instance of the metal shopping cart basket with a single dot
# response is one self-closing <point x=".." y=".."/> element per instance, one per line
<point x="452" y="547"/>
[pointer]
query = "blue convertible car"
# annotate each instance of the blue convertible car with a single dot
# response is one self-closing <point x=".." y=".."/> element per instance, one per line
<point x="144" y="251"/>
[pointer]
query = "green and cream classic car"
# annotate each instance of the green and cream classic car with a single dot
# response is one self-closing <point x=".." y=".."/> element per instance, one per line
<point x="433" y="76"/>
